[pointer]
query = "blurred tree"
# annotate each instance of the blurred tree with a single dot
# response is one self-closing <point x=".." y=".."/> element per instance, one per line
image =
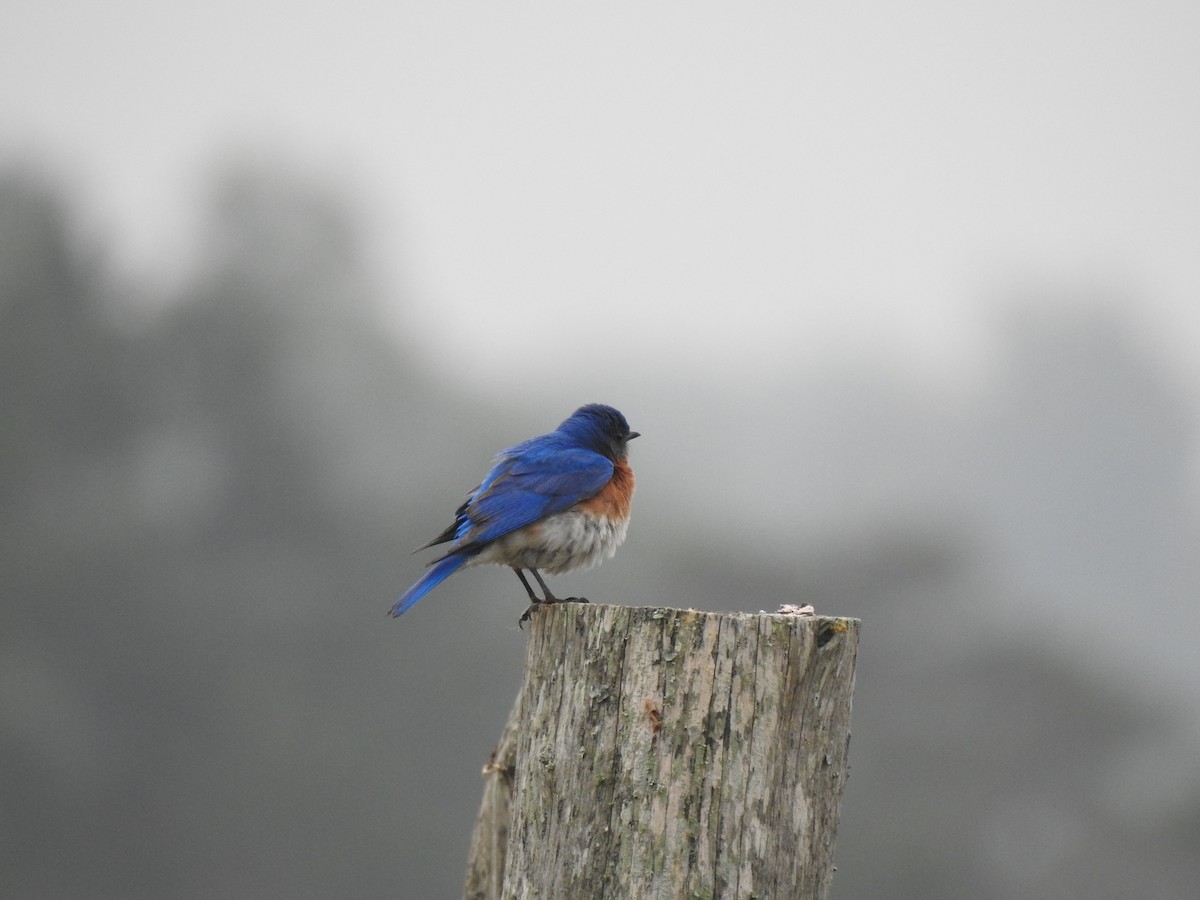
<point x="62" y="397"/>
<point x="178" y="545"/>
<point x="201" y="521"/>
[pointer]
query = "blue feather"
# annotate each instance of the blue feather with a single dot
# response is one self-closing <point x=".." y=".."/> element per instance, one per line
<point x="523" y="489"/>
<point x="438" y="572"/>
<point x="526" y="484"/>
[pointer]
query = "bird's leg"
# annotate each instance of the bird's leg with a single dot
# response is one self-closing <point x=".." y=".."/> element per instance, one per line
<point x="547" y="596"/>
<point x="550" y="598"/>
<point x="532" y="596"/>
<point x="534" y="599"/>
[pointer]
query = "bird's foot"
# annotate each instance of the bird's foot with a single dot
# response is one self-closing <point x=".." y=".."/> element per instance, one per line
<point x="537" y="601"/>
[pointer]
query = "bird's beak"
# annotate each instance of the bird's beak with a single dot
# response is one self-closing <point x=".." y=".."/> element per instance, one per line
<point x="632" y="435"/>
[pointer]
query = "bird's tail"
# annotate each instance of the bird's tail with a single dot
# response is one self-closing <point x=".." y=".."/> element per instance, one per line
<point x="438" y="572"/>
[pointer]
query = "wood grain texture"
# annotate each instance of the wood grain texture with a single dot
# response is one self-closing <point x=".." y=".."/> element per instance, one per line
<point x="663" y="753"/>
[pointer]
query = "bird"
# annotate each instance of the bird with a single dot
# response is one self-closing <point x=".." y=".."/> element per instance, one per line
<point x="553" y="503"/>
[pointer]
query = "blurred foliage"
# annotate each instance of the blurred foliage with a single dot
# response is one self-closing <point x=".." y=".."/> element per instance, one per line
<point x="203" y="519"/>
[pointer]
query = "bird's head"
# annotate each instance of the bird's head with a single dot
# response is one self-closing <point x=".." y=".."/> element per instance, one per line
<point x="600" y="428"/>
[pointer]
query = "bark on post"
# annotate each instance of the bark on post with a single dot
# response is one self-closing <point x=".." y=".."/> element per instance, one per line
<point x="663" y="753"/>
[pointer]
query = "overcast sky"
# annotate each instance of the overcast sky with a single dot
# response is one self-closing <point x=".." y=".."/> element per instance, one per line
<point x="735" y="192"/>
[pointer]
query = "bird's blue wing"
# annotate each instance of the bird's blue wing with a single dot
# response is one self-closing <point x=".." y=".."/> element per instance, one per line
<point x="529" y="483"/>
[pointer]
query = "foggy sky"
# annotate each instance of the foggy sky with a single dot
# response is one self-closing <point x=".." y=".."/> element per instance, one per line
<point x="735" y="192"/>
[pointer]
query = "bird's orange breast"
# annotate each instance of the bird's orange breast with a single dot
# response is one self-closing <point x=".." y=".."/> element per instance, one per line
<point x="615" y="497"/>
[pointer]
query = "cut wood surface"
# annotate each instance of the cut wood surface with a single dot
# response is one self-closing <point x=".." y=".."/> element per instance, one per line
<point x="664" y="753"/>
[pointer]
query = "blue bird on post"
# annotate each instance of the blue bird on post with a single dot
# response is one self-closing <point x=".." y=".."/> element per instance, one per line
<point x="556" y="502"/>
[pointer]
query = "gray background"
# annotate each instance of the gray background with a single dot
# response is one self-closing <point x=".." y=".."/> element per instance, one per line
<point x="902" y="299"/>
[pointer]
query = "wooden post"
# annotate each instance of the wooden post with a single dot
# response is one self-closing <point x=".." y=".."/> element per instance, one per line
<point x="664" y="753"/>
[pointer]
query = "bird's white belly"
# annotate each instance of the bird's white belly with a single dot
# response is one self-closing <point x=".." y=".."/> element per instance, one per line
<point x="559" y="543"/>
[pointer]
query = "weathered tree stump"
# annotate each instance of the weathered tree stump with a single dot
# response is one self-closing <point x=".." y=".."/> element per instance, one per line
<point x="664" y="753"/>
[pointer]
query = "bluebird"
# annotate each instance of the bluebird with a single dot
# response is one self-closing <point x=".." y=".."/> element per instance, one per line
<point x="556" y="502"/>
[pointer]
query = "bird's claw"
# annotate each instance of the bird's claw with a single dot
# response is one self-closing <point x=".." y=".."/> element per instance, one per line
<point x="525" y="616"/>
